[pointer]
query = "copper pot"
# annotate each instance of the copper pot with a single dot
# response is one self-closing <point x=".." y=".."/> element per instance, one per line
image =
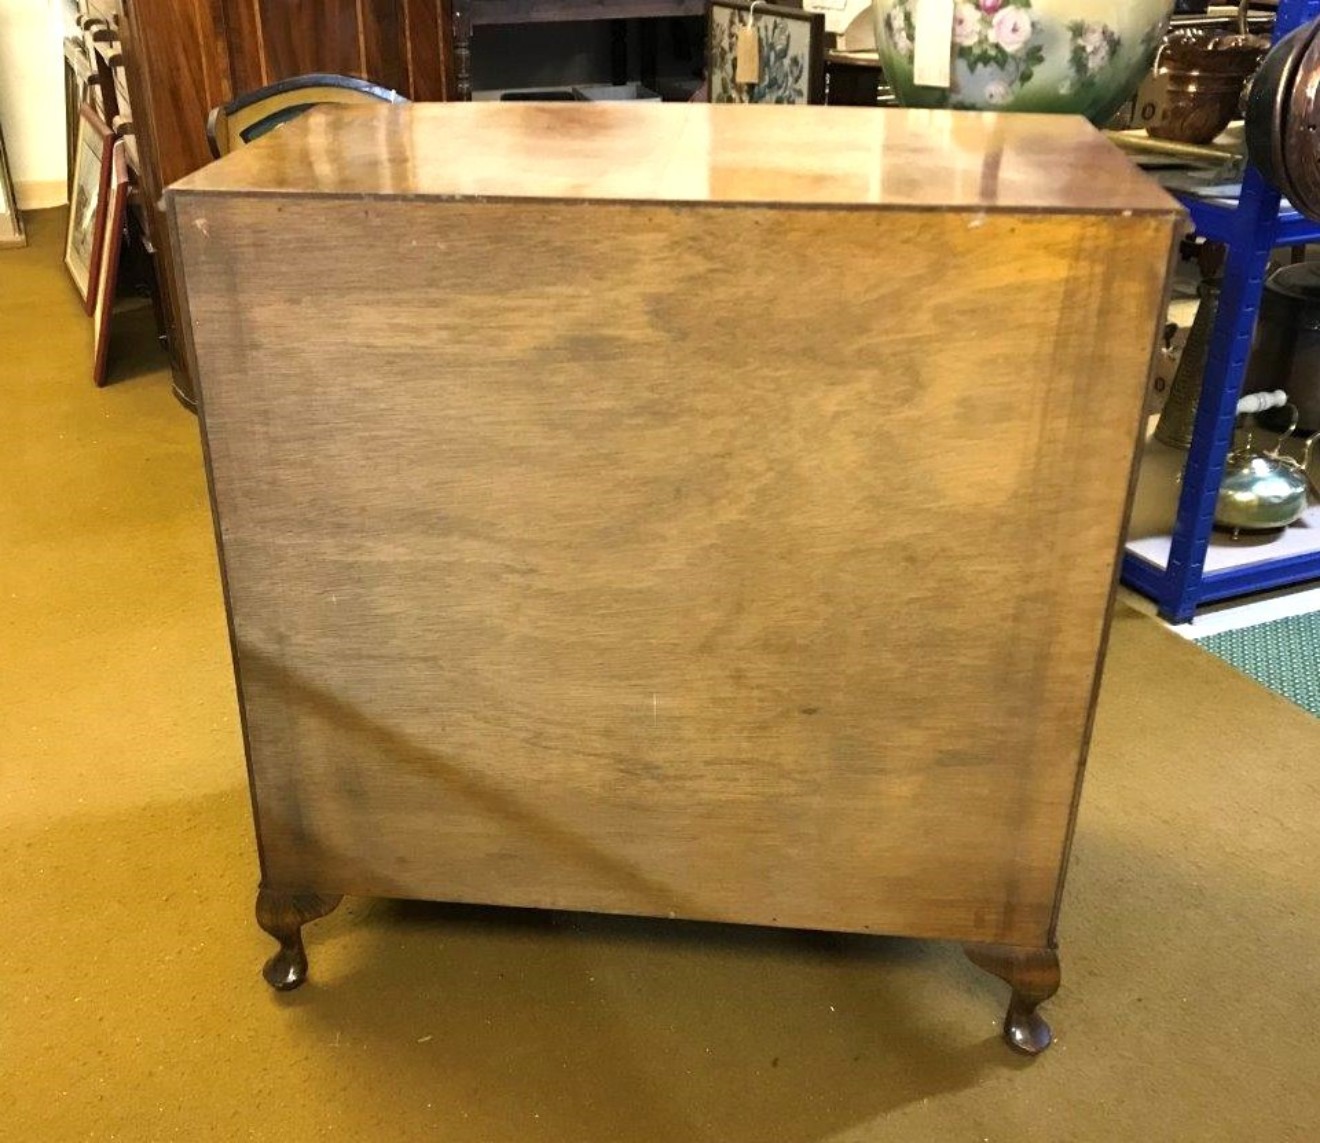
<point x="1204" y="78"/>
<point x="1197" y="112"/>
<point x="1270" y="112"/>
<point x="1217" y="54"/>
<point x="1301" y="130"/>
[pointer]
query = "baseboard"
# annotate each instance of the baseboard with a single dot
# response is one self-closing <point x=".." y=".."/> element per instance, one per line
<point x="40" y="194"/>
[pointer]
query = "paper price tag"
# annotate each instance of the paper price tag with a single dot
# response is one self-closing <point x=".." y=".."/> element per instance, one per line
<point x="932" y="43"/>
<point x="747" y="61"/>
<point x="1152" y="102"/>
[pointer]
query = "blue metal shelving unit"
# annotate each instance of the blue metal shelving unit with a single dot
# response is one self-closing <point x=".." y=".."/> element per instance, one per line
<point x="1251" y="230"/>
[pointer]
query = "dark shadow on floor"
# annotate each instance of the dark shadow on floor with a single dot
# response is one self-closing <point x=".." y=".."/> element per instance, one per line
<point x="135" y="349"/>
<point x="613" y="1028"/>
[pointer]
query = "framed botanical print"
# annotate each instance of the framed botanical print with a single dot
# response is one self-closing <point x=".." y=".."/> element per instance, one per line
<point x="11" y="222"/>
<point x="792" y="53"/>
<point x="107" y="274"/>
<point x="91" y="180"/>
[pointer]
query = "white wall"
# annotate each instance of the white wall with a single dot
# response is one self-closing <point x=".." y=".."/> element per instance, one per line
<point x="32" y="98"/>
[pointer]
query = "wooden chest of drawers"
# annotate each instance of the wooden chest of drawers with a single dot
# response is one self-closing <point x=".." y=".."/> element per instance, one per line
<point x="693" y="511"/>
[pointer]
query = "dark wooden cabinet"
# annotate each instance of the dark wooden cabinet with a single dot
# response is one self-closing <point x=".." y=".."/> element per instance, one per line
<point x="402" y="44"/>
<point x="184" y="57"/>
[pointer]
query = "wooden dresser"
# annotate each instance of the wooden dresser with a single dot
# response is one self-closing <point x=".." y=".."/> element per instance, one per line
<point x="681" y="510"/>
<point x="180" y="58"/>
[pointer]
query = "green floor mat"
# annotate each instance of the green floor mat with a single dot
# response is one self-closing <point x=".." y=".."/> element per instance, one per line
<point x="1283" y="655"/>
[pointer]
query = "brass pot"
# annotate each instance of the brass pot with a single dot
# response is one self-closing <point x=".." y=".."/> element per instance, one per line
<point x="1261" y="489"/>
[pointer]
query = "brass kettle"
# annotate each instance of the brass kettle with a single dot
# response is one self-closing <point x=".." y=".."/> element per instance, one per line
<point x="1263" y="490"/>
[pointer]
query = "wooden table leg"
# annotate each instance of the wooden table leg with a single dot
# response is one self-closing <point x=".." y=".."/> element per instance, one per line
<point x="1033" y="974"/>
<point x="462" y="18"/>
<point x="282" y="914"/>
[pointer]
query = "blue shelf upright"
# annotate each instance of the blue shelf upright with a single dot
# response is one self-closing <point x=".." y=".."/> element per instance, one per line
<point x="1251" y="230"/>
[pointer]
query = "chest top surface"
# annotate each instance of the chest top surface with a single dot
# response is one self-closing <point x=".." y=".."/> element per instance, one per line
<point x="692" y="153"/>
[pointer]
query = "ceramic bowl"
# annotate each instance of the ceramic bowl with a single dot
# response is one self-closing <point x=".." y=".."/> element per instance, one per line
<point x="1083" y="57"/>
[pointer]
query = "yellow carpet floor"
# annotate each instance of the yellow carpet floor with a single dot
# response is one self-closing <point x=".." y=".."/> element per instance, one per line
<point x="131" y="1005"/>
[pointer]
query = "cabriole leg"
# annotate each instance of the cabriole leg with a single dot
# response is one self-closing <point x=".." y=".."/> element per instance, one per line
<point x="282" y="914"/>
<point x="1033" y="975"/>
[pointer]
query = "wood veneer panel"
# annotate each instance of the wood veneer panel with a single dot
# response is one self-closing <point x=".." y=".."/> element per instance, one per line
<point x="383" y="43"/>
<point x="849" y="157"/>
<point x="247" y="55"/>
<point x="429" y="39"/>
<point x="302" y="37"/>
<point x="667" y="559"/>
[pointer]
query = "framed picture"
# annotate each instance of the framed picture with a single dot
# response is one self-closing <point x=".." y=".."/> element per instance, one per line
<point x="11" y="222"/>
<point x="91" y="179"/>
<point x="77" y="71"/>
<point x="107" y="274"/>
<point x="792" y="50"/>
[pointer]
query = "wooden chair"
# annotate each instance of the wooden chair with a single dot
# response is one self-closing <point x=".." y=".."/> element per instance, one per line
<point x="251" y="115"/>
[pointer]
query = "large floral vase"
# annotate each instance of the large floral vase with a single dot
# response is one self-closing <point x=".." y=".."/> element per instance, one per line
<point x="1084" y="57"/>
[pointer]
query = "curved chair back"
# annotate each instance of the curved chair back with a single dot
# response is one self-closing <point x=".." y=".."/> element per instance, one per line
<point x="251" y="115"/>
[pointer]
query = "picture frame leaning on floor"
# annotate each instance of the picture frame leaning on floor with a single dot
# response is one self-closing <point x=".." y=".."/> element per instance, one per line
<point x="11" y="221"/>
<point x="107" y="275"/>
<point x="91" y="182"/>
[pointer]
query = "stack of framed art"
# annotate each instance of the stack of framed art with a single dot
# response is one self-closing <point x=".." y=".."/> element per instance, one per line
<point x="11" y="222"/>
<point x="98" y="215"/>
<point x="107" y="275"/>
<point x="92" y="159"/>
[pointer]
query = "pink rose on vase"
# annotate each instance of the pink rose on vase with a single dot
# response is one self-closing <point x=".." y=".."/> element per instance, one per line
<point x="966" y="24"/>
<point x="1096" y="46"/>
<point x="1011" y="29"/>
<point x="990" y="7"/>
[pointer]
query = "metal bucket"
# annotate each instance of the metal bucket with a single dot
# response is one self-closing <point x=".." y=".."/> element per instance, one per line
<point x="1286" y="351"/>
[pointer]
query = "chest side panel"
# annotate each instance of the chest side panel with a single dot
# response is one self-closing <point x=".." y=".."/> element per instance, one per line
<point x="745" y="564"/>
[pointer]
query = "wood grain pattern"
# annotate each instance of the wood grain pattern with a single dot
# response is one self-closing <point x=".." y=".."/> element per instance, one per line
<point x="429" y="39"/>
<point x="295" y="32"/>
<point x="242" y="22"/>
<point x="858" y="158"/>
<point x="212" y="49"/>
<point x="647" y="570"/>
<point x="183" y="85"/>
<point x="187" y="56"/>
<point x="173" y="82"/>
<point x="384" y="58"/>
<point x="400" y="44"/>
